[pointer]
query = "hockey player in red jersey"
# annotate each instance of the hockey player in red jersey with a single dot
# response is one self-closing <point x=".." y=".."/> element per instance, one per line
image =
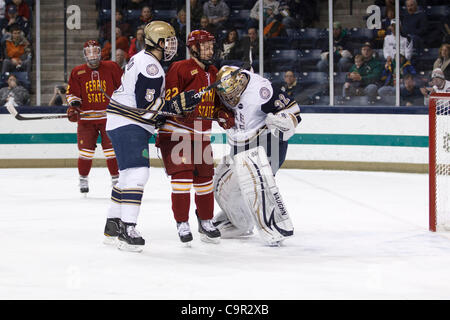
<point x="193" y="165"/>
<point x="88" y="108"/>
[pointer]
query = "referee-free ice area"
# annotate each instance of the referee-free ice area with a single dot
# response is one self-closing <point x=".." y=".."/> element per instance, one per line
<point x="358" y="235"/>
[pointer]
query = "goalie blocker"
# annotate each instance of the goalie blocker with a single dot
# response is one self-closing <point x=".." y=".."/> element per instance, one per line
<point x="248" y="195"/>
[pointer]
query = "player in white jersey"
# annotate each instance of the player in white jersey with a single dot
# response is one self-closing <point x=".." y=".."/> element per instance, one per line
<point x="440" y="85"/>
<point x="142" y="87"/>
<point x="244" y="184"/>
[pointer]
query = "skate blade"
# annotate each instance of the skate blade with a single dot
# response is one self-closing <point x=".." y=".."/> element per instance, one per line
<point x="123" y="246"/>
<point x="108" y="240"/>
<point x="205" y="238"/>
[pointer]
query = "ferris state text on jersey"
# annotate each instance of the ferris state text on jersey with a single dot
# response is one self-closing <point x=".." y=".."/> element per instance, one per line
<point x="87" y="89"/>
<point x="188" y="75"/>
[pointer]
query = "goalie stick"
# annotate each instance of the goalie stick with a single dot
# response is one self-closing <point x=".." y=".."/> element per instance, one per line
<point x="169" y="114"/>
<point x="11" y="107"/>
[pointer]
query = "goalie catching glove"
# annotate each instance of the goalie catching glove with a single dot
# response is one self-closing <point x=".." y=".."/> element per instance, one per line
<point x="225" y="118"/>
<point x="73" y="112"/>
<point x="184" y="102"/>
<point x="282" y="121"/>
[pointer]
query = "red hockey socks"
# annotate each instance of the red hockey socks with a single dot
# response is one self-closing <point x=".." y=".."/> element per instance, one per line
<point x="181" y="195"/>
<point x="204" y="197"/>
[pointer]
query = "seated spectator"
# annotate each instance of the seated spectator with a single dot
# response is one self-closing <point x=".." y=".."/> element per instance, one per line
<point x="196" y="13"/>
<point x="249" y="46"/>
<point x="290" y="84"/>
<point x="271" y="10"/>
<point x="125" y="27"/>
<point x="22" y="7"/>
<point x="229" y="47"/>
<point x="121" y="43"/>
<point x="179" y="24"/>
<point x="385" y="27"/>
<point x="136" y="4"/>
<point x="443" y="61"/>
<point x="370" y="73"/>
<point x="17" y="52"/>
<point x="217" y="12"/>
<point x="406" y="45"/>
<point x="354" y="87"/>
<point x="145" y="17"/>
<point x="15" y="19"/>
<point x="137" y="43"/>
<point x="20" y="94"/>
<point x="415" y="24"/>
<point x="205" y="25"/>
<point x="272" y="25"/>
<point x="388" y="76"/>
<point x="342" y="56"/>
<point x="410" y="93"/>
<point x="121" y="58"/>
<point x="59" y="96"/>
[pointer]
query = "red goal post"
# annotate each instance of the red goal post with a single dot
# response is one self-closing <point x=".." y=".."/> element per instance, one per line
<point x="439" y="162"/>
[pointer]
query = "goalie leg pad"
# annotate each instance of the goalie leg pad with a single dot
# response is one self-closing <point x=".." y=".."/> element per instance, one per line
<point x="235" y="219"/>
<point x="261" y="195"/>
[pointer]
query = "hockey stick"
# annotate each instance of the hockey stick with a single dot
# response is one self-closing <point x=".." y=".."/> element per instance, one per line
<point x="10" y="106"/>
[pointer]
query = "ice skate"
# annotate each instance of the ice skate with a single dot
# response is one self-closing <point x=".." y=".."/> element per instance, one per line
<point x="84" y="184"/>
<point x="184" y="232"/>
<point x="112" y="229"/>
<point x="129" y="238"/>
<point x="114" y="180"/>
<point x="208" y="232"/>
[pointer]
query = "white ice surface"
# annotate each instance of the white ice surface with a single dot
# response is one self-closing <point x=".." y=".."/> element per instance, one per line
<point x="358" y="235"/>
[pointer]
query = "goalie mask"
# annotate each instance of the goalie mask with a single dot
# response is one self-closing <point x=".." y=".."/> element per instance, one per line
<point x="156" y="31"/>
<point x="232" y="87"/>
<point x="92" y="53"/>
<point x="201" y="46"/>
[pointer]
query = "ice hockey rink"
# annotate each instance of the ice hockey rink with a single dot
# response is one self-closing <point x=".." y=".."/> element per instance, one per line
<point x="358" y="235"/>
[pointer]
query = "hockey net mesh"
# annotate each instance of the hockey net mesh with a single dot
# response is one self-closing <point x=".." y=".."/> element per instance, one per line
<point x="441" y="162"/>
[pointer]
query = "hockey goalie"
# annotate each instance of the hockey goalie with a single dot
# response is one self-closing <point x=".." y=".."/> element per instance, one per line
<point x="244" y="181"/>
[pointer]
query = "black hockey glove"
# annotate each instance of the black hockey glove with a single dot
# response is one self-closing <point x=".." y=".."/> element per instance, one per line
<point x="184" y="103"/>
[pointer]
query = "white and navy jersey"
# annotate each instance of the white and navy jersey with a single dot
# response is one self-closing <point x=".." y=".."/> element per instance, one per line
<point x="258" y="99"/>
<point x="445" y="89"/>
<point x="142" y="83"/>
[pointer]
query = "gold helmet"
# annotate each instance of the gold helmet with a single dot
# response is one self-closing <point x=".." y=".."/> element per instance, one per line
<point x="231" y="88"/>
<point x="157" y="30"/>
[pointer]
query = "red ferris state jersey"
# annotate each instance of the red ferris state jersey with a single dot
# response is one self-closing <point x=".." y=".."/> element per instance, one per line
<point x="188" y="75"/>
<point x="86" y="89"/>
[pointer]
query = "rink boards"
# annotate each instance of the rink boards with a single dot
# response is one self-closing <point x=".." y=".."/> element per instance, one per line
<point x="376" y="139"/>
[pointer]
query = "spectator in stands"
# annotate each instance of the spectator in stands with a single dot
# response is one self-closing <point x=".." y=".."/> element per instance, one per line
<point x="353" y="85"/>
<point x="17" y="52"/>
<point x="15" y="19"/>
<point x="249" y="46"/>
<point x="145" y="17"/>
<point x="23" y="9"/>
<point x="137" y="43"/>
<point x="299" y="13"/>
<point x="410" y="93"/>
<point x="121" y="58"/>
<point x="342" y="55"/>
<point x="217" y="12"/>
<point x="385" y="27"/>
<point x="125" y="27"/>
<point x="443" y="61"/>
<point x="388" y="76"/>
<point x="370" y="73"/>
<point x="121" y="43"/>
<point x="290" y="84"/>
<point x="136" y="4"/>
<point x="59" y="96"/>
<point x="179" y="23"/>
<point x="406" y="45"/>
<point x="20" y="94"/>
<point x="229" y="47"/>
<point x="196" y="12"/>
<point x="205" y="25"/>
<point x="415" y="25"/>
<point x="271" y="10"/>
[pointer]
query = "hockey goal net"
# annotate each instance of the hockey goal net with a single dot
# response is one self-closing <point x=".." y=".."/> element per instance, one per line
<point x="439" y="161"/>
